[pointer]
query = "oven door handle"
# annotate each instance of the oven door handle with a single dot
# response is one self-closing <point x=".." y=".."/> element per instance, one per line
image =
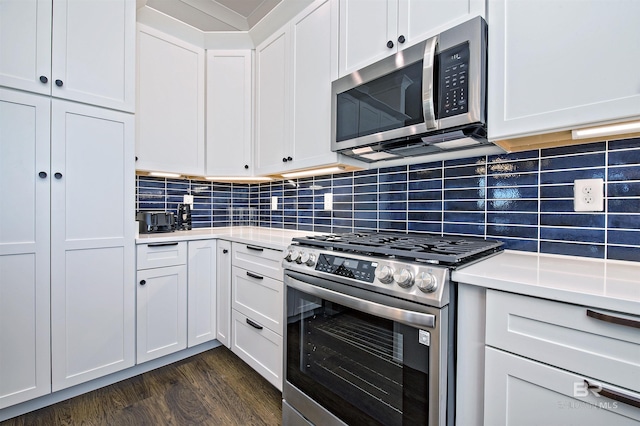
<point x="404" y="316"/>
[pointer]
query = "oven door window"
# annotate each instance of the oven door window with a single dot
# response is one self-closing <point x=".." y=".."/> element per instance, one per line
<point x="362" y="368"/>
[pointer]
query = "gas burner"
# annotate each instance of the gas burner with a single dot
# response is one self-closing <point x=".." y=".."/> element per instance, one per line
<point x="448" y="250"/>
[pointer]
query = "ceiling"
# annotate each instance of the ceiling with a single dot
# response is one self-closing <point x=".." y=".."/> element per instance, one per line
<point x="214" y="15"/>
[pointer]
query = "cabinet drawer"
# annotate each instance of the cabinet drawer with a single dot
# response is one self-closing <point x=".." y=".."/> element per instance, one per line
<point x="157" y="255"/>
<point x="258" y="297"/>
<point x="566" y="336"/>
<point x="261" y="348"/>
<point x="263" y="261"/>
<point x="523" y="392"/>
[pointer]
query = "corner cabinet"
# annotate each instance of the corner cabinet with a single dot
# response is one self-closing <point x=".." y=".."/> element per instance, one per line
<point x="553" y="363"/>
<point x="170" y="104"/>
<point x="229" y="113"/>
<point x="70" y="49"/>
<point x="549" y="70"/>
<point x="373" y="29"/>
<point x="294" y="70"/>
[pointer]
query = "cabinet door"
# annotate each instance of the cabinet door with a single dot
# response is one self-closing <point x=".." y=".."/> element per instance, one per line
<point x="25" y="367"/>
<point x="366" y="26"/>
<point x="92" y="242"/>
<point x="170" y="107"/>
<point x="522" y="392"/>
<point x="566" y="75"/>
<point x="273" y="137"/>
<point x="94" y="52"/>
<point x="162" y="312"/>
<point x="223" y="287"/>
<point x="420" y="19"/>
<point x="201" y="290"/>
<point x="314" y="40"/>
<point x="229" y="127"/>
<point x="25" y="44"/>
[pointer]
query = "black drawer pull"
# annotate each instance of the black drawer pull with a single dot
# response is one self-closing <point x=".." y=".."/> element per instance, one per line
<point x="252" y="275"/>
<point x="254" y="325"/>
<point x="255" y="248"/>
<point x="143" y="282"/>
<point x="612" y="319"/>
<point x="162" y="244"/>
<point x="611" y="394"/>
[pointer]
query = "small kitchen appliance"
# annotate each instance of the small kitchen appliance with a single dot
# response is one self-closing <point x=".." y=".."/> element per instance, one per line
<point x="370" y="325"/>
<point x="159" y="221"/>
<point x="183" y="222"/>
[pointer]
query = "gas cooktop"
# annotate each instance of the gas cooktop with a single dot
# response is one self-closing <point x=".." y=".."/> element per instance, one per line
<point x="432" y="248"/>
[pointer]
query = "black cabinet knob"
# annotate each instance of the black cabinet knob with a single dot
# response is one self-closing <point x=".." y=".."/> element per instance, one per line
<point x="59" y="83"/>
<point x="136" y="158"/>
<point x="43" y="79"/>
<point x="246" y="166"/>
<point x="389" y="44"/>
<point x="42" y="174"/>
<point x="142" y="282"/>
<point x="58" y="175"/>
<point x="289" y="159"/>
<point x="284" y="160"/>
<point x="401" y="39"/>
<point x="225" y="251"/>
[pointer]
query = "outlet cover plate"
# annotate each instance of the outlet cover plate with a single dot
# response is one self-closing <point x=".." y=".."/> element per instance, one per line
<point x="588" y="195"/>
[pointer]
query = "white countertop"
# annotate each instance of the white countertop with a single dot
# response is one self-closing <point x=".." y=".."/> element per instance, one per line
<point x="613" y="285"/>
<point x="277" y="239"/>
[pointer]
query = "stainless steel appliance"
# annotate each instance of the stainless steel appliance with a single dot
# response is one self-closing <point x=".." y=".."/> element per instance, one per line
<point x="429" y="98"/>
<point x="369" y="336"/>
<point x="183" y="222"/>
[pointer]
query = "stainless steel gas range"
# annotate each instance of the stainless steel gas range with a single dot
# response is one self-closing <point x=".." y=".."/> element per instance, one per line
<point x="370" y="330"/>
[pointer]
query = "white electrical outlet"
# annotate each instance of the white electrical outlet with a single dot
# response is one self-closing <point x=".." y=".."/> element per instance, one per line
<point x="188" y="199"/>
<point x="588" y="195"/>
<point x="328" y="201"/>
<point x="274" y="203"/>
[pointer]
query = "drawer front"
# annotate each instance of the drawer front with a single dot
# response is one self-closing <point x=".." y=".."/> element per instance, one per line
<point x="263" y="261"/>
<point x="258" y="297"/>
<point x="522" y="392"/>
<point x="262" y="349"/>
<point x="566" y="336"/>
<point x="158" y="255"/>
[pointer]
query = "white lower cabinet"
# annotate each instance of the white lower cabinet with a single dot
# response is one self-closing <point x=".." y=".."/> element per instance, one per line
<point x="162" y="300"/>
<point x="223" y="289"/>
<point x="552" y="363"/>
<point x="522" y="392"/>
<point x="201" y="292"/>
<point x="257" y="309"/>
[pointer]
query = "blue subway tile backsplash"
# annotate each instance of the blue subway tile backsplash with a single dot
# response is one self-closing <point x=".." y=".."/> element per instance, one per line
<point x="524" y="199"/>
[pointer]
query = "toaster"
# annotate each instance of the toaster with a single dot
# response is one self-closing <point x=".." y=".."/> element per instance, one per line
<point x="150" y="222"/>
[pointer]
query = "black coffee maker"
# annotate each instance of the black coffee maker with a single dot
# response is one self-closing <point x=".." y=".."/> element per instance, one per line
<point x="183" y="221"/>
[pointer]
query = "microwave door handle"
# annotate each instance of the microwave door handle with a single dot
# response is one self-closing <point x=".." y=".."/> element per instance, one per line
<point x="428" y="90"/>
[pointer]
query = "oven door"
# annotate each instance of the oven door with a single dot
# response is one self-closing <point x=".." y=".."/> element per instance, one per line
<point x="357" y="357"/>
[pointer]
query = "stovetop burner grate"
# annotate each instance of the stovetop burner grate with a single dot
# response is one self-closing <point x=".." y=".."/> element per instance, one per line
<point x="426" y="247"/>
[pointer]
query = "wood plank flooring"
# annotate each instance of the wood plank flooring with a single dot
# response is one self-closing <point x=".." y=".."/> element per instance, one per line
<point x="212" y="388"/>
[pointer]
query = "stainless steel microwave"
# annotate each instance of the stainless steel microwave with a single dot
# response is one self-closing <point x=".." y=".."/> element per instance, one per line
<point x="426" y="99"/>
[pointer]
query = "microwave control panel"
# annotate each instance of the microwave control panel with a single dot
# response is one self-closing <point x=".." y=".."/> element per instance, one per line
<point x="454" y="81"/>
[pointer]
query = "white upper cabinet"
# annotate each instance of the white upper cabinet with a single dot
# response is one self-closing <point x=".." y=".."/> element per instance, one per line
<point x="170" y="107"/>
<point x="294" y="70"/>
<point x="70" y="49"/>
<point x="373" y="29"/>
<point x="229" y="118"/>
<point x="557" y="65"/>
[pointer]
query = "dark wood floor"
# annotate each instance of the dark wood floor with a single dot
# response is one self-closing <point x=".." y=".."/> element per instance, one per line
<point x="212" y="388"/>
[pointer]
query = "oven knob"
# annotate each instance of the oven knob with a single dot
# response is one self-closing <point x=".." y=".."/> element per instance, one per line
<point x="426" y="282"/>
<point x="287" y="255"/>
<point x="404" y="278"/>
<point x="295" y="255"/>
<point x="384" y="274"/>
<point x="308" y="259"/>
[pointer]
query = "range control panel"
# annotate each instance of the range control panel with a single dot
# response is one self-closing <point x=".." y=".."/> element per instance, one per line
<point x="361" y="270"/>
